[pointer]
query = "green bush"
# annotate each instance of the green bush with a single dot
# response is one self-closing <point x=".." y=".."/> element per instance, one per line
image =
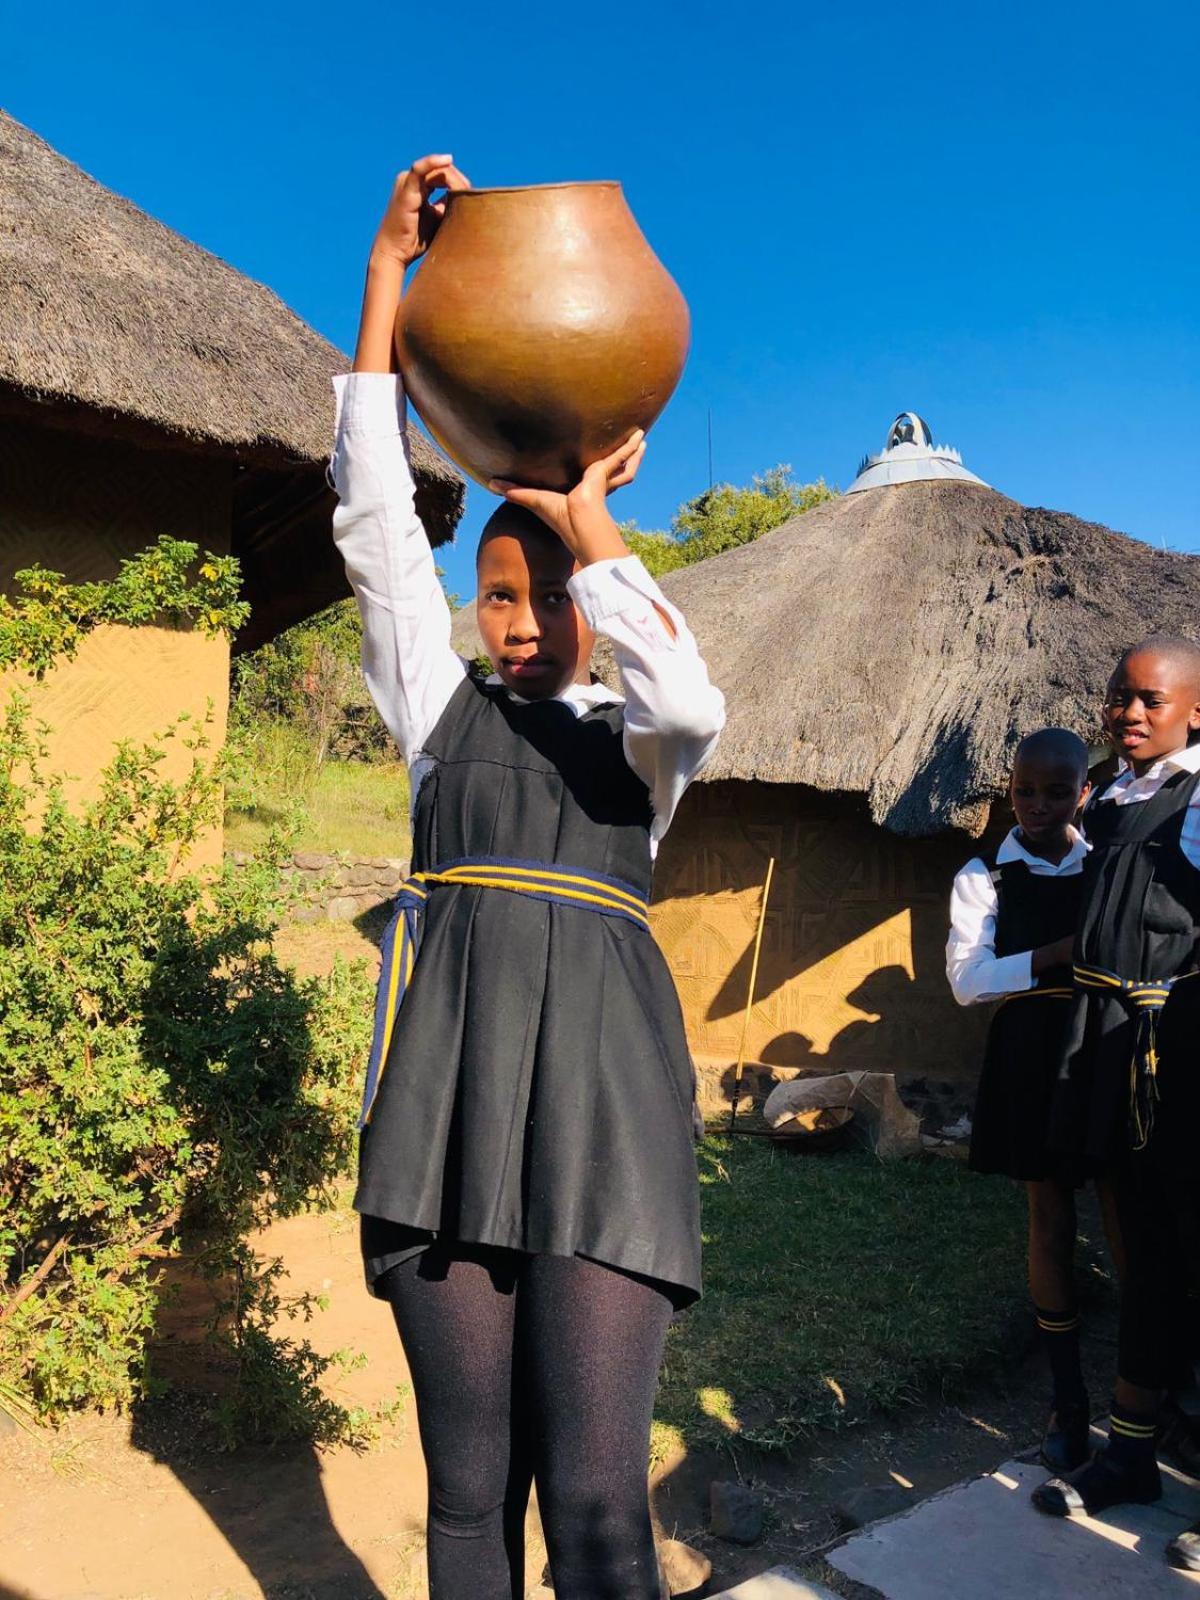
<point x="309" y="679"/>
<point x="162" y="1078"/>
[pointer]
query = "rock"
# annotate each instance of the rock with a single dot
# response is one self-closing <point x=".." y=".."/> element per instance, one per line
<point x="240" y="858"/>
<point x="309" y="914"/>
<point x="780" y="1583"/>
<point x="361" y="876"/>
<point x="735" y="1512"/>
<point x="685" y="1570"/>
<point x="858" y="1507"/>
<point x="342" y="908"/>
<point x="388" y="876"/>
<point x="307" y="861"/>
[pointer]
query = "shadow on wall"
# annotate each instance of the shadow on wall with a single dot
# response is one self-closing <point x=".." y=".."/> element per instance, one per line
<point x="852" y="970"/>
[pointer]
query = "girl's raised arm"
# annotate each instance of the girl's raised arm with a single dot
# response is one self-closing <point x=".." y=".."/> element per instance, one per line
<point x="409" y="666"/>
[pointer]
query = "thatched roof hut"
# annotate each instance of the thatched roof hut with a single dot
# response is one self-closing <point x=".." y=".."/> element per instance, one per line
<point x="880" y="656"/>
<point x="896" y="643"/>
<point x="113" y="326"/>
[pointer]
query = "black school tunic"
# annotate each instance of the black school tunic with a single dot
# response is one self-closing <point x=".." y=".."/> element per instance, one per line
<point x="1010" y="1128"/>
<point x="1141" y="920"/>
<point x="537" y="1094"/>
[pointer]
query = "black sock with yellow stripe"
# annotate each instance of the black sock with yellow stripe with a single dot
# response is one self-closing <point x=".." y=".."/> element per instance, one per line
<point x="1131" y="1439"/>
<point x="1059" y="1333"/>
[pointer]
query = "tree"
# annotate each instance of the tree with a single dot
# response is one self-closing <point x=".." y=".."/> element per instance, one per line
<point x="724" y="517"/>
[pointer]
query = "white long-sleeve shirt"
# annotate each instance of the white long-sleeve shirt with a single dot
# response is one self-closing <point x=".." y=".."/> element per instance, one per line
<point x="975" y="971"/>
<point x="673" y="714"/>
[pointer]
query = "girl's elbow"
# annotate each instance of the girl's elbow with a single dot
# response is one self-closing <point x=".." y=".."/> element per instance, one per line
<point x="690" y="718"/>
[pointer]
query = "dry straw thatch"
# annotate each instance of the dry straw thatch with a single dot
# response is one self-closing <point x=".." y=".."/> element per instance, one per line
<point x="897" y="643"/>
<point x="112" y="322"/>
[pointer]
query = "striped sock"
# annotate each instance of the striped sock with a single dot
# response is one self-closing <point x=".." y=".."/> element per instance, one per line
<point x="1059" y="1333"/>
<point x="1131" y="1438"/>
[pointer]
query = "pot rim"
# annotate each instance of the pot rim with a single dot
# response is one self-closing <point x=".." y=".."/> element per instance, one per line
<point x="534" y="188"/>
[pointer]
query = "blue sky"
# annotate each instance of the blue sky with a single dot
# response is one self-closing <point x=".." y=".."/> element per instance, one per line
<point x="987" y="214"/>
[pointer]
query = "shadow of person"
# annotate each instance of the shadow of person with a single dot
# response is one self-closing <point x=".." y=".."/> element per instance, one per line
<point x="779" y="963"/>
<point x="268" y="1504"/>
<point x="877" y="1041"/>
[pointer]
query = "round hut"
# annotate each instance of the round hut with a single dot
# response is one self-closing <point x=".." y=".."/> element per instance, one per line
<point x="880" y="656"/>
<point x="147" y="388"/>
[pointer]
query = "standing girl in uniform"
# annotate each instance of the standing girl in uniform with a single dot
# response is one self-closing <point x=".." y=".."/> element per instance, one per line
<point x="527" y="1180"/>
<point x="1128" y="1099"/>
<point x="1013" y="917"/>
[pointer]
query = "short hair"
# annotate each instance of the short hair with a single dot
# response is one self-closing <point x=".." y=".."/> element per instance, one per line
<point x="1181" y="651"/>
<point x="518" y="521"/>
<point x="1056" y="744"/>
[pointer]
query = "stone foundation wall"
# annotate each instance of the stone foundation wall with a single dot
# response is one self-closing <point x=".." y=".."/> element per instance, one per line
<point x="336" y="887"/>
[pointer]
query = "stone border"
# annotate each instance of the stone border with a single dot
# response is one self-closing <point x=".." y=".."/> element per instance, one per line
<point x="336" y="887"/>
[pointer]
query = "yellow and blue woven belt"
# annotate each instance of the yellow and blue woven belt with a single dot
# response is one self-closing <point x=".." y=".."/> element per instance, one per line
<point x="1143" y="999"/>
<point x="538" y="880"/>
<point x="1054" y="993"/>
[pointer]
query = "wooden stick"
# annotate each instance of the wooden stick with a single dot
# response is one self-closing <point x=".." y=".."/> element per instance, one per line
<point x="33" y="1284"/>
<point x="741" y="1060"/>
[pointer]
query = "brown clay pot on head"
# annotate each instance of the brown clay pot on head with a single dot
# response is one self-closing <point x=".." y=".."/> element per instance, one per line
<point x="539" y="331"/>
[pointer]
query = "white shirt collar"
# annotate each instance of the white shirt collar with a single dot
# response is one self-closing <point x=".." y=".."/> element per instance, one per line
<point x="575" y="694"/>
<point x="1185" y="760"/>
<point x="1011" y="849"/>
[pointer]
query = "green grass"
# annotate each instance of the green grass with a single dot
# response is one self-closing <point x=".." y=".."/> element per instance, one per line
<point x="837" y="1285"/>
<point x="356" y="807"/>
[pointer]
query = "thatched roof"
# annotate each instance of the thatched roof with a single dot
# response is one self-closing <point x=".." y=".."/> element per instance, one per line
<point x="111" y="322"/>
<point x="896" y="643"/>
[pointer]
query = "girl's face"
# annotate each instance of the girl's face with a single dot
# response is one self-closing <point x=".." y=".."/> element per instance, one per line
<point x="1046" y="792"/>
<point x="534" y="636"/>
<point x="1151" y="708"/>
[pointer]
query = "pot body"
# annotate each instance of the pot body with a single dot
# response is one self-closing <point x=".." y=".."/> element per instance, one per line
<point x="539" y="331"/>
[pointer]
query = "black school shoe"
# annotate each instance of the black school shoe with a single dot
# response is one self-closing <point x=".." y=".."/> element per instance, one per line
<point x="1104" y="1482"/>
<point x="1184" y="1549"/>
<point x="1065" y="1446"/>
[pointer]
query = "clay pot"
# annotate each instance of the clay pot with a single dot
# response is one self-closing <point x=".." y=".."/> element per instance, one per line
<point x="539" y="331"/>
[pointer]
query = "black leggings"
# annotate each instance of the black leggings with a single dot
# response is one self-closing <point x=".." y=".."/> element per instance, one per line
<point x="532" y="1368"/>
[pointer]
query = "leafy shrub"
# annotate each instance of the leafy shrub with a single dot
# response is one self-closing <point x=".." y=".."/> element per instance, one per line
<point x="724" y="517"/>
<point x="162" y="1077"/>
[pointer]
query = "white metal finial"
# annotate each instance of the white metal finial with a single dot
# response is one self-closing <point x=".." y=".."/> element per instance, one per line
<point x="910" y="456"/>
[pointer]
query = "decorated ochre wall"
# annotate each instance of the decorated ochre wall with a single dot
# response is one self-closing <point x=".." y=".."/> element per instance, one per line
<point x="852" y="972"/>
<point x="79" y="505"/>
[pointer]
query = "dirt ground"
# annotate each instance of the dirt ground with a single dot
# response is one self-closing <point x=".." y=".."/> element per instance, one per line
<point x="143" y="1508"/>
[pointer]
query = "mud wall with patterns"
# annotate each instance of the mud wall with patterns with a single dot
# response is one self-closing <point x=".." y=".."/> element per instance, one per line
<point x="80" y="506"/>
<point x="852" y="971"/>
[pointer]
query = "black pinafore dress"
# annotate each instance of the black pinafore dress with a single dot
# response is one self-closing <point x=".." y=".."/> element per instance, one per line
<point x="1010" y="1127"/>
<point x="537" y="1093"/>
<point x="1140" y="921"/>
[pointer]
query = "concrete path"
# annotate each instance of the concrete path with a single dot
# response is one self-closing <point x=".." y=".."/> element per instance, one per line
<point x="983" y="1540"/>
